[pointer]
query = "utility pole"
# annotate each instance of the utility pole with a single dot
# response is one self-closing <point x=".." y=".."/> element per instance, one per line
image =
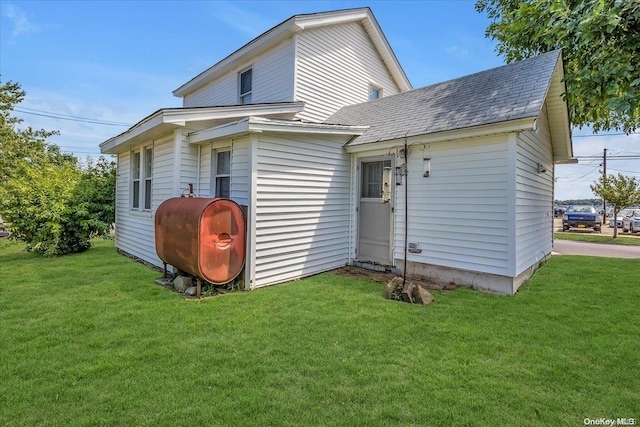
<point x="604" y="175"/>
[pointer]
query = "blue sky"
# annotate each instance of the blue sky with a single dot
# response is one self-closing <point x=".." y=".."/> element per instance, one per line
<point x="118" y="61"/>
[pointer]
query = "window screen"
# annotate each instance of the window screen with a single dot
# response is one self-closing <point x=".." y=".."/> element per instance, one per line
<point x="372" y="178"/>
<point x="223" y="174"/>
<point x="246" y="87"/>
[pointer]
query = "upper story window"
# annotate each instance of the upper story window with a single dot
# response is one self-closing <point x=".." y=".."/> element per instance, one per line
<point x="141" y="173"/>
<point x="222" y="174"/>
<point x="246" y="84"/>
<point x="374" y="92"/>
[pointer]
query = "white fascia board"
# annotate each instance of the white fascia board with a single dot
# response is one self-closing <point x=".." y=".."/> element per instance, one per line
<point x="222" y="131"/>
<point x="569" y="161"/>
<point x="164" y="121"/>
<point x="112" y="145"/>
<point x="234" y="111"/>
<point x="473" y="132"/>
<point x="331" y="18"/>
<point x="255" y="46"/>
<point x="557" y="87"/>
<point x="257" y="124"/>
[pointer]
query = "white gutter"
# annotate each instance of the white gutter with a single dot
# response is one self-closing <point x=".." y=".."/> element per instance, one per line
<point x="166" y="120"/>
<point x="473" y="132"/>
<point x="259" y="125"/>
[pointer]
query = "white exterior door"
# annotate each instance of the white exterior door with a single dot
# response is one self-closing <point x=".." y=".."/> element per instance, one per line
<point x="374" y="215"/>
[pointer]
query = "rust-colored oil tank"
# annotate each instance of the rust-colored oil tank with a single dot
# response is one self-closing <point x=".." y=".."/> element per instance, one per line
<point x="202" y="236"/>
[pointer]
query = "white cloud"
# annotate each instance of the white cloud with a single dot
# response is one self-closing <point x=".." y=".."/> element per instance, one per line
<point x="21" y="24"/>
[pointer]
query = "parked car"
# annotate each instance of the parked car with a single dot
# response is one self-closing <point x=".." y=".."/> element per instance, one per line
<point x="581" y="217"/>
<point x="558" y="211"/>
<point x="619" y="218"/>
<point x="631" y="222"/>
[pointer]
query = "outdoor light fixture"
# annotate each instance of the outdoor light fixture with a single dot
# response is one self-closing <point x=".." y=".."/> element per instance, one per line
<point x="426" y="167"/>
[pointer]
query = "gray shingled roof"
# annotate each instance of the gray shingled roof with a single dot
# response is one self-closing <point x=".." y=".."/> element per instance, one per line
<point x="509" y="92"/>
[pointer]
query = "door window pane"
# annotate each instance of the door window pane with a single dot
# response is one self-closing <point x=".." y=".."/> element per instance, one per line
<point x="372" y="178"/>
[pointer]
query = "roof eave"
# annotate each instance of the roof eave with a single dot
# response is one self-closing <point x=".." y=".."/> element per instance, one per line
<point x="559" y="121"/>
<point x="166" y="120"/>
<point x="516" y="125"/>
<point x="147" y="128"/>
<point x="259" y="125"/>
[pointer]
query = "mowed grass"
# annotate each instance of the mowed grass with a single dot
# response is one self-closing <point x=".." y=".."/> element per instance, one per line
<point x="597" y="238"/>
<point x="89" y="340"/>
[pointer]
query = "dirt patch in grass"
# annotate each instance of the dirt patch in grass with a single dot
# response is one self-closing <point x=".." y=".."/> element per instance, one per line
<point x="384" y="277"/>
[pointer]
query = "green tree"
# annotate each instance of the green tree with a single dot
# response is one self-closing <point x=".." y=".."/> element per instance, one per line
<point x="621" y="191"/>
<point x="51" y="203"/>
<point x="19" y="145"/>
<point x="600" y="40"/>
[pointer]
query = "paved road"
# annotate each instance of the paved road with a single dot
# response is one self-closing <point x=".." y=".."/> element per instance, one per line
<point x="568" y="247"/>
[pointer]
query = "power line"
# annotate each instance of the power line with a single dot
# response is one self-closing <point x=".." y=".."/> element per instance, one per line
<point x="609" y="157"/>
<point x="59" y="116"/>
<point x="580" y="177"/>
<point x="622" y="170"/>
<point x="605" y="134"/>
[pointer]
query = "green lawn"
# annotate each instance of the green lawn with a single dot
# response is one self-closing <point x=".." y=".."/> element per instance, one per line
<point x="597" y="238"/>
<point x="89" y="340"/>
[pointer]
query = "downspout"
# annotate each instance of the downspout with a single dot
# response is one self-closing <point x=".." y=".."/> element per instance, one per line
<point x="406" y="213"/>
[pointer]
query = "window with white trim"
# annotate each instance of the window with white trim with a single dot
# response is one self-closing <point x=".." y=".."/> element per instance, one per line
<point x="148" y="169"/>
<point x="245" y="86"/>
<point x="141" y="174"/>
<point x="374" y="92"/>
<point x="135" y="182"/>
<point x="222" y="173"/>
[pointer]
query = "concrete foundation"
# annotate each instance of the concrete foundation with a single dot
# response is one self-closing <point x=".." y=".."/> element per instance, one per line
<point x="484" y="282"/>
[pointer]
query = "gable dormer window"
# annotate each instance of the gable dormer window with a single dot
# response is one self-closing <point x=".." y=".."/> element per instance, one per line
<point x="374" y="92"/>
<point x="246" y="84"/>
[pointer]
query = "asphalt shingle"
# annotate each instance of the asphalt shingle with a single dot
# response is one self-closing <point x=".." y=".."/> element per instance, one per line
<point x="509" y="92"/>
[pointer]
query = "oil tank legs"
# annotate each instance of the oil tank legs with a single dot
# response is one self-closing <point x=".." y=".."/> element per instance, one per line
<point x="198" y="287"/>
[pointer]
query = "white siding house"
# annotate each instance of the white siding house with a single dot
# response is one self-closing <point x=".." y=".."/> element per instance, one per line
<point x="482" y="215"/>
<point x="313" y="126"/>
